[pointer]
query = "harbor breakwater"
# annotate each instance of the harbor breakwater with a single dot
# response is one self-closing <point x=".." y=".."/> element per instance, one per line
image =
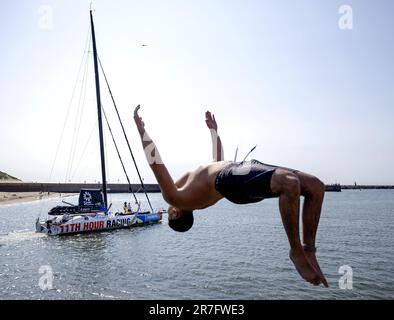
<point x="124" y="188"/>
<point x="73" y="187"/>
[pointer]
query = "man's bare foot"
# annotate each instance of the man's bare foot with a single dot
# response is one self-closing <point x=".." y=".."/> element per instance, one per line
<point x="304" y="268"/>
<point x="311" y="257"/>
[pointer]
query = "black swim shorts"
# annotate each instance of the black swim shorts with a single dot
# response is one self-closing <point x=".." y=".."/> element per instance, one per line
<point x="246" y="182"/>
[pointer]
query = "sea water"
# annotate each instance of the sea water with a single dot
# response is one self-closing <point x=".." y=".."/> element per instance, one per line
<point x="232" y="252"/>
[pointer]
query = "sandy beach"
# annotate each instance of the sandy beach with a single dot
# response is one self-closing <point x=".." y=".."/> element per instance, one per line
<point x="17" y="197"/>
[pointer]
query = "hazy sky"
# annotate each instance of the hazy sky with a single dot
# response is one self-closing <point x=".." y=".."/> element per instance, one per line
<point x="282" y="75"/>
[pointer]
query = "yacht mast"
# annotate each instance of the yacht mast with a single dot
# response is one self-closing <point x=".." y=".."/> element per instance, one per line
<point x="104" y="180"/>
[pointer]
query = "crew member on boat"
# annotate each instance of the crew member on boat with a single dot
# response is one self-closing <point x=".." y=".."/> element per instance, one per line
<point x="241" y="183"/>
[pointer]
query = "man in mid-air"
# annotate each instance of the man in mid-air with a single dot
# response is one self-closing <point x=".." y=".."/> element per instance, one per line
<point x="243" y="182"/>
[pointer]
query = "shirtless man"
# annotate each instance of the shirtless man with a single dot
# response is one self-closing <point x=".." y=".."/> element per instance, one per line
<point x="244" y="182"/>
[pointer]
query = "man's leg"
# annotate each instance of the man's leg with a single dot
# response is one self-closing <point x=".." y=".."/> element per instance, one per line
<point x="287" y="185"/>
<point x="313" y="191"/>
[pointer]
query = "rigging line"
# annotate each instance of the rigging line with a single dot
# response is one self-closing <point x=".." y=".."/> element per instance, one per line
<point x="120" y="158"/>
<point x="84" y="150"/>
<point x="68" y="109"/>
<point x="74" y="137"/>
<point x="127" y="140"/>
<point x="251" y="150"/>
<point x="78" y="117"/>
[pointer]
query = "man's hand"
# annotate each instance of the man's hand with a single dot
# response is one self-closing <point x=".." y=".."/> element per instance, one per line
<point x="217" y="147"/>
<point x="210" y="121"/>
<point x="138" y="121"/>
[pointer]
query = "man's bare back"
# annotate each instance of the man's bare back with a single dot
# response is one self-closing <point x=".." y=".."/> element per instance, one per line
<point x="198" y="187"/>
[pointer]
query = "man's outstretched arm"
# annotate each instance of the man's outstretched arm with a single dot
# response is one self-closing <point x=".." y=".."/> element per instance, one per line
<point x="217" y="147"/>
<point x="163" y="177"/>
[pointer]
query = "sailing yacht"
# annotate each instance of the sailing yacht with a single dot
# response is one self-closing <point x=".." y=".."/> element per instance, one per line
<point x="93" y="213"/>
